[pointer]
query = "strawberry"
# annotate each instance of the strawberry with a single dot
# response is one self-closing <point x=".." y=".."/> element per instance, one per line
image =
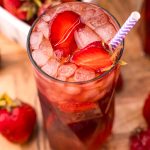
<point x="17" y="120"/>
<point x="1" y="2"/>
<point x="62" y="31"/>
<point x="77" y="107"/>
<point x="22" y="9"/>
<point x="146" y="110"/>
<point x="93" y="56"/>
<point x="140" y="140"/>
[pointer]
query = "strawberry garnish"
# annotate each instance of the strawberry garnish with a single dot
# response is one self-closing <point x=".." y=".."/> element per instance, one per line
<point x="17" y="119"/>
<point x="93" y="56"/>
<point x="62" y="31"/>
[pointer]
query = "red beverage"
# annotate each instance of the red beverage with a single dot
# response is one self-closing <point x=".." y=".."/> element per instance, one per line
<point x="76" y="74"/>
<point x="147" y="27"/>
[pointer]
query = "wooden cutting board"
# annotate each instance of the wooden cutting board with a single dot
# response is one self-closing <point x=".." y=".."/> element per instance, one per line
<point x="16" y="78"/>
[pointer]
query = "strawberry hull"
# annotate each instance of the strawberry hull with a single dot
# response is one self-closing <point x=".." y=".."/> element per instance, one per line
<point x="76" y="97"/>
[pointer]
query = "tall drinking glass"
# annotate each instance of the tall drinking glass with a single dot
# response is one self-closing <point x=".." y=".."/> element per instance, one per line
<point x="77" y="115"/>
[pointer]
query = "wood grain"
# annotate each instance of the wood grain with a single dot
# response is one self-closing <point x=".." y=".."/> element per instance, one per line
<point x="16" y="78"/>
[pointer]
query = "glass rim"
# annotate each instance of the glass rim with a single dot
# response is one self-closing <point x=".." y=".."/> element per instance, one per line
<point x="68" y="82"/>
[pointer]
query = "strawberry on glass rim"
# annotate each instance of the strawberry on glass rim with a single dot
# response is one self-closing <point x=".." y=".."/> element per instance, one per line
<point x="96" y="56"/>
<point x="17" y="119"/>
<point x="62" y="31"/>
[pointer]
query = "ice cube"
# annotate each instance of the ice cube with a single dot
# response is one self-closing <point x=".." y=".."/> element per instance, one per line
<point x="40" y="57"/>
<point x="58" y="54"/>
<point x="51" y="67"/>
<point x="99" y="95"/>
<point x="62" y="8"/>
<point x="85" y="36"/>
<point x="36" y="39"/>
<point x="67" y="70"/>
<point x="83" y="74"/>
<point x="44" y="28"/>
<point x="106" y="32"/>
<point x="90" y="94"/>
<point x="46" y="18"/>
<point x="87" y="14"/>
<point x="76" y="8"/>
<point x="98" y="20"/>
<point x="73" y="90"/>
<point x="46" y="47"/>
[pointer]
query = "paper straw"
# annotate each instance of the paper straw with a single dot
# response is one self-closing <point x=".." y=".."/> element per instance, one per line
<point x="125" y="29"/>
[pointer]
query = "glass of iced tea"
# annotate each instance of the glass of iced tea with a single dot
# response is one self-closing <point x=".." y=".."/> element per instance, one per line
<point x="76" y="73"/>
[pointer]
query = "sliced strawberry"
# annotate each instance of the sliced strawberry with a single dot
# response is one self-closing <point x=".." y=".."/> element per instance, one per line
<point x="62" y="31"/>
<point x="93" y="56"/>
<point x="77" y="107"/>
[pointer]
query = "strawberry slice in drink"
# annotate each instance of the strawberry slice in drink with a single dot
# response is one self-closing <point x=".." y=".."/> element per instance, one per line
<point x="62" y="31"/>
<point x="77" y="107"/>
<point x="93" y="56"/>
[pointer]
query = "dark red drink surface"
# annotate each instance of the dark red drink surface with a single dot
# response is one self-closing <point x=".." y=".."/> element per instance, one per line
<point x="77" y="115"/>
<point x="147" y="27"/>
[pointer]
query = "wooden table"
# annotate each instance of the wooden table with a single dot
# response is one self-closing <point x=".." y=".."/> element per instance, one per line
<point x="16" y="78"/>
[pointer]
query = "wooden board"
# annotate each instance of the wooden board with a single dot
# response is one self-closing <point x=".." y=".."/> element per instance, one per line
<point x="16" y="78"/>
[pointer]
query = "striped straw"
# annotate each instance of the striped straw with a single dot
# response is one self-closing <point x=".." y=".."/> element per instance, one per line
<point x="124" y="30"/>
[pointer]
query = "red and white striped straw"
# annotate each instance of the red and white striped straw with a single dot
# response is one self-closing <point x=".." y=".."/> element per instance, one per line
<point x="125" y="29"/>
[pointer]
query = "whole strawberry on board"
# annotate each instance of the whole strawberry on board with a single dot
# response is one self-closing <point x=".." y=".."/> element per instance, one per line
<point x="17" y="119"/>
<point x="140" y="140"/>
<point x="22" y="9"/>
